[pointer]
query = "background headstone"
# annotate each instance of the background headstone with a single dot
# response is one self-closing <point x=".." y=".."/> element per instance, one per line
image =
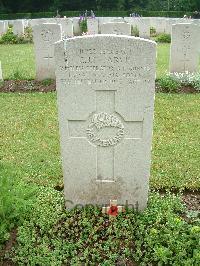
<point x="119" y="28"/>
<point x="92" y="26"/>
<point x="105" y="88"/>
<point x="76" y="26"/>
<point x="18" y="27"/>
<point x="3" y="27"/>
<point x="67" y="27"/>
<point x="184" y="53"/>
<point x="144" y="28"/>
<point x="44" y="37"/>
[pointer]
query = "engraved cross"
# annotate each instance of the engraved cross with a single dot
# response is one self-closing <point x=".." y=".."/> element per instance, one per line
<point x="105" y="129"/>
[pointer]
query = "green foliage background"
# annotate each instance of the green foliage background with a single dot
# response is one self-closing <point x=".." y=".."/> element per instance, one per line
<point x="18" y="6"/>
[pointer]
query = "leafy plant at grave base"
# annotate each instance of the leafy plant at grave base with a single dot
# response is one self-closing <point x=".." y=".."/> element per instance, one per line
<point x="54" y="236"/>
<point x="188" y="79"/>
<point x="153" y="32"/>
<point x="15" y="203"/>
<point x="171" y="82"/>
<point x="83" y="24"/>
<point x="10" y="38"/>
<point x="163" y="38"/>
<point x="167" y="83"/>
<point x="135" y="31"/>
<point x="47" y="82"/>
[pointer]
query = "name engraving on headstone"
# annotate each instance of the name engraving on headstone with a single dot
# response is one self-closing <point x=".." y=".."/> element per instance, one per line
<point x="103" y="120"/>
<point x="117" y="68"/>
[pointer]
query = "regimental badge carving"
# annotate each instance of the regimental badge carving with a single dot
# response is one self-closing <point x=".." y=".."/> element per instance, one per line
<point x="47" y="35"/>
<point x="100" y="125"/>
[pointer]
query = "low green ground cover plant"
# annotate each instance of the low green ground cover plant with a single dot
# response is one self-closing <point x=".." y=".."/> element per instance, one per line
<point x="15" y="201"/>
<point x="158" y="236"/>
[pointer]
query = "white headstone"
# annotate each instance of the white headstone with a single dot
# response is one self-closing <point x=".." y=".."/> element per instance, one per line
<point x="1" y="75"/>
<point x="44" y="37"/>
<point x="119" y="28"/>
<point x="67" y="27"/>
<point x="33" y="22"/>
<point x="18" y="27"/>
<point x="92" y="26"/>
<point x="3" y="27"/>
<point x="144" y="28"/>
<point x="76" y="26"/>
<point x="119" y="19"/>
<point x="105" y="88"/>
<point x="184" y="54"/>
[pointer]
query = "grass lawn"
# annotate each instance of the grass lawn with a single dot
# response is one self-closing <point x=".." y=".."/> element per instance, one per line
<point x="18" y="60"/>
<point x="166" y="233"/>
<point x="30" y="140"/>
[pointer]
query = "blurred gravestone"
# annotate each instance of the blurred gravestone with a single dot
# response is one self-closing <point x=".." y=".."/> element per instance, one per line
<point x="18" y="27"/>
<point x="184" y="53"/>
<point x="92" y="26"/>
<point x="44" y="37"/>
<point x="119" y="28"/>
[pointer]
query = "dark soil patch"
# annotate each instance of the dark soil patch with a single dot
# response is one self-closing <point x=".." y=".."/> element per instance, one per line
<point x="7" y="248"/>
<point x="27" y="86"/>
<point x="192" y="200"/>
<point x="187" y="90"/>
<point x="43" y="86"/>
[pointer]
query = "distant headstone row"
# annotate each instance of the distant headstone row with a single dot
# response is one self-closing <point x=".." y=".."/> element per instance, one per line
<point x="71" y="26"/>
<point x="184" y="55"/>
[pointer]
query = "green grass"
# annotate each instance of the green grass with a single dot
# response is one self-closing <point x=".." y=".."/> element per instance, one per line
<point x="30" y="139"/>
<point x="30" y="166"/>
<point x="163" y="54"/>
<point x="18" y="60"/>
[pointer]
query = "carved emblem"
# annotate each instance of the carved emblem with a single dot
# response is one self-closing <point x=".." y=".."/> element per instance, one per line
<point x="101" y="121"/>
<point x="47" y="35"/>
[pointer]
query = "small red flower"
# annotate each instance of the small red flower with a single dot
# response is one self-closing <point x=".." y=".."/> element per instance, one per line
<point x="113" y="210"/>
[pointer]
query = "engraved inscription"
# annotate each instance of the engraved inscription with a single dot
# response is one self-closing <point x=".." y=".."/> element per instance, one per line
<point x="116" y="69"/>
<point x="101" y="121"/>
<point x="47" y="35"/>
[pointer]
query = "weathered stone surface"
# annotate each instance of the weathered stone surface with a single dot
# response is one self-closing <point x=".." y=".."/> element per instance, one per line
<point x="76" y="26"/>
<point x="119" y="28"/>
<point x="67" y="27"/>
<point x="105" y="88"/>
<point x="18" y="27"/>
<point x="92" y="26"/>
<point x="44" y="37"/>
<point x="184" y="53"/>
<point x="142" y="24"/>
<point x="144" y="28"/>
<point x="3" y="27"/>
